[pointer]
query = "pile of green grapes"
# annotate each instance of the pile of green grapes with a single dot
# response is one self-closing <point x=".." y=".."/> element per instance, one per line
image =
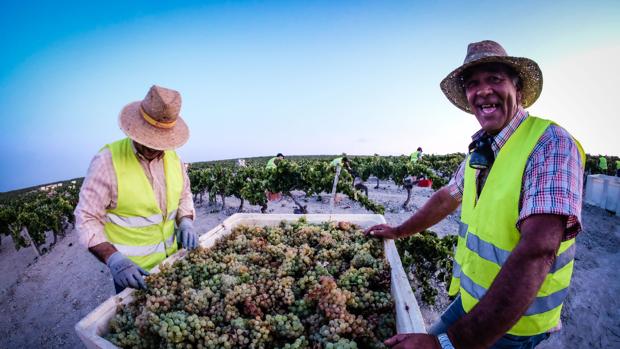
<point x="294" y="285"/>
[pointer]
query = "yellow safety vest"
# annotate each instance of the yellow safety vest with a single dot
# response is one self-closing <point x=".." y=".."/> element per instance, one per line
<point x="602" y="163"/>
<point x="271" y="163"/>
<point x="137" y="227"/>
<point x="414" y="156"/>
<point x="489" y="234"/>
<point x="336" y="162"/>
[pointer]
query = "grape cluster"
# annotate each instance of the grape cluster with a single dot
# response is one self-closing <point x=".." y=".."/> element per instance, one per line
<point x="294" y="285"/>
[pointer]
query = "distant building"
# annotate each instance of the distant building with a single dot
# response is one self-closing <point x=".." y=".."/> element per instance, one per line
<point x="51" y="186"/>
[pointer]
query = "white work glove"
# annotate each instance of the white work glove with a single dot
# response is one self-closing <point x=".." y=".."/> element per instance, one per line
<point x="189" y="239"/>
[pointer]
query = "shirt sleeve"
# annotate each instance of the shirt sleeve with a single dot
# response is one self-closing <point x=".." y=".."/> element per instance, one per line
<point x="553" y="180"/>
<point x="186" y="204"/>
<point x="457" y="183"/>
<point x="96" y="195"/>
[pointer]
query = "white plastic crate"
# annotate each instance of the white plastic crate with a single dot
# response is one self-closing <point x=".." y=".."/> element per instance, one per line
<point x="94" y="326"/>
<point x="595" y="186"/>
<point x="612" y="197"/>
<point x="603" y="191"/>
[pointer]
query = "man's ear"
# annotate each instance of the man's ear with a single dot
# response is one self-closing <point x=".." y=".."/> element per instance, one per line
<point x="519" y="97"/>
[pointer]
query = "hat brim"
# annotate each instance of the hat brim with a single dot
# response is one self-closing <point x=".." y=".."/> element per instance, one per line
<point x="135" y="127"/>
<point x="528" y="70"/>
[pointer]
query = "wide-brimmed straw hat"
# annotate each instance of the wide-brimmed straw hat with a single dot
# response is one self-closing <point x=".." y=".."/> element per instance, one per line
<point x="155" y="121"/>
<point x="488" y="51"/>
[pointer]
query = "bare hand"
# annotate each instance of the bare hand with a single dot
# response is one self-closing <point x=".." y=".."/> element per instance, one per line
<point x="413" y="341"/>
<point x="383" y="231"/>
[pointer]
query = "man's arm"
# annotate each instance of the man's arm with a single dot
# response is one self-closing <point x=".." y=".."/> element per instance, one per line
<point x="103" y="251"/>
<point x="186" y="202"/>
<point x="440" y="204"/>
<point x="96" y="194"/>
<point x="516" y="285"/>
<point x="186" y="214"/>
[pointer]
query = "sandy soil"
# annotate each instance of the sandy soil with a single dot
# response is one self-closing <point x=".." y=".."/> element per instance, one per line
<point x="43" y="298"/>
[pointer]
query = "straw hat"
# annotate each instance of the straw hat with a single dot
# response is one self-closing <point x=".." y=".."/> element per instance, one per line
<point x="488" y="51"/>
<point x="155" y="121"/>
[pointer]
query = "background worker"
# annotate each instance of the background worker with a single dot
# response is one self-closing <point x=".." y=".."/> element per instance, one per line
<point x="342" y="161"/>
<point x="520" y="188"/>
<point x="602" y="164"/>
<point x="344" y="164"/>
<point x="136" y="189"/>
<point x="272" y="163"/>
<point x="416" y="155"/>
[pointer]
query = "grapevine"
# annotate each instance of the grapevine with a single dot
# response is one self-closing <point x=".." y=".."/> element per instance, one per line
<point x="430" y="259"/>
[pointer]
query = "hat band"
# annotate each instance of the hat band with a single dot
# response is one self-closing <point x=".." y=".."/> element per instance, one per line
<point x="156" y="123"/>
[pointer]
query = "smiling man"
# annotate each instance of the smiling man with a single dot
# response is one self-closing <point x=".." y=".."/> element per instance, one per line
<point x="520" y="189"/>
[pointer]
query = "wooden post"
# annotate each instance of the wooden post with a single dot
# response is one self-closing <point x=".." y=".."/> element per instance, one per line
<point x="332" y="202"/>
<point x="25" y="232"/>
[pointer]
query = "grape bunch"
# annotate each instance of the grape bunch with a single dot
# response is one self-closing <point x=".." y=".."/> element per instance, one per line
<point x="294" y="285"/>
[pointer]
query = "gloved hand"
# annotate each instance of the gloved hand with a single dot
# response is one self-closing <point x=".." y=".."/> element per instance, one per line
<point x="189" y="239"/>
<point x="125" y="272"/>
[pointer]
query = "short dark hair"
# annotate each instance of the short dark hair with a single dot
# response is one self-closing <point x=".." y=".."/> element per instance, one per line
<point x="419" y="148"/>
<point x="494" y="67"/>
<point x="279" y="154"/>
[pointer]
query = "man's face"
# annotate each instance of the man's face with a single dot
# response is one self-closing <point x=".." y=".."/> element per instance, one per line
<point x="492" y="96"/>
<point x="147" y="152"/>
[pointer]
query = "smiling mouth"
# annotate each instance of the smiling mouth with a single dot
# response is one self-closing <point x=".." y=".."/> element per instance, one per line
<point x="487" y="108"/>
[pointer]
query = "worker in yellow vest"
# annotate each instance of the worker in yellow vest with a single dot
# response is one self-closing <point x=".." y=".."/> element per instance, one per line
<point x="520" y="189"/>
<point x="273" y="162"/>
<point x="345" y="165"/>
<point x="342" y="161"/>
<point x="416" y="155"/>
<point x="602" y="164"/>
<point x="137" y="190"/>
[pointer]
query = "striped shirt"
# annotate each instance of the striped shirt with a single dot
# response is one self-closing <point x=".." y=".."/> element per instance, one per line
<point x="99" y="193"/>
<point x="552" y="180"/>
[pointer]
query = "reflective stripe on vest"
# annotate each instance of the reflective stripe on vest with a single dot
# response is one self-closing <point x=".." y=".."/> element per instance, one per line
<point x="494" y="254"/>
<point x="458" y="257"/>
<point x="143" y="251"/>
<point x="489" y="234"/>
<point x="541" y="304"/>
<point x="137" y="227"/>
<point x="138" y="222"/>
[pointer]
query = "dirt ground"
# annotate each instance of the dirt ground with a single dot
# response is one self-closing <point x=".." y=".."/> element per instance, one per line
<point x="42" y="298"/>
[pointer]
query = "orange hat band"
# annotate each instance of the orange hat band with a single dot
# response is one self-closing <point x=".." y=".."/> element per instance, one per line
<point x="156" y="123"/>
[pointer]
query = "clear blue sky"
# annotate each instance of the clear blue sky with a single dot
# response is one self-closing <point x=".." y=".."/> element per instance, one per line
<point x="305" y="77"/>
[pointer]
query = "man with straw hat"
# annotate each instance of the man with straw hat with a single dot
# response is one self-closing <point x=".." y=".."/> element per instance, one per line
<point x="136" y="190"/>
<point x="520" y="189"/>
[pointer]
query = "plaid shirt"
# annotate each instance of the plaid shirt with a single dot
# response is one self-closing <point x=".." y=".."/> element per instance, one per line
<point x="99" y="193"/>
<point x="552" y="180"/>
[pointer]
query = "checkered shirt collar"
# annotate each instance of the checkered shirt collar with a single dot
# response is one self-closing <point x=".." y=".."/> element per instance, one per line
<point x="502" y="137"/>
